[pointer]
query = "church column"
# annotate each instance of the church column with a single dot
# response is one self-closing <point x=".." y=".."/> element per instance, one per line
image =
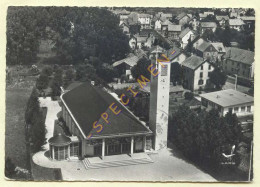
<point x="52" y="150"/>
<point x="144" y="143"/>
<point x="132" y="146"/>
<point x="103" y="148"/>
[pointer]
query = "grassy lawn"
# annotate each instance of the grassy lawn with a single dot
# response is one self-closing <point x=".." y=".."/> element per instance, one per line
<point x="42" y="173"/>
<point x="15" y="145"/>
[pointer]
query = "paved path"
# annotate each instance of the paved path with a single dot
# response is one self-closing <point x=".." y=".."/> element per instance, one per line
<point x="53" y="108"/>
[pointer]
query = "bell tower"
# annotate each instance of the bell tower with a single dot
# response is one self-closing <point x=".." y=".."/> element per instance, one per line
<point x="159" y="100"/>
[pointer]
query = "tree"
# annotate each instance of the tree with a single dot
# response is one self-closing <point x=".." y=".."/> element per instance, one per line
<point x="57" y="83"/>
<point x="218" y="78"/>
<point x="42" y="82"/>
<point x="208" y="35"/>
<point x="134" y="29"/>
<point x="141" y="68"/>
<point x="9" y="168"/>
<point x="189" y="95"/>
<point x="226" y="39"/>
<point x="199" y="136"/>
<point x="47" y="70"/>
<point x="35" y="120"/>
<point x="107" y="72"/>
<point x="176" y="73"/>
<point x="69" y="74"/>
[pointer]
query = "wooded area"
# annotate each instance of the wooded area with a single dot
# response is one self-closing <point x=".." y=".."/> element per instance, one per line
<point x="78" y="33"/>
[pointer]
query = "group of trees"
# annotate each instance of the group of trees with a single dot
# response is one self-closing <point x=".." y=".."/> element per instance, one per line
<point x="35" y="122"/>
<point x="245" y="38"/>
<point x="218" y="78"/>
<point x="139" y="105"/>
<point x="200" y="136"/>
<point x="77" y="32"/>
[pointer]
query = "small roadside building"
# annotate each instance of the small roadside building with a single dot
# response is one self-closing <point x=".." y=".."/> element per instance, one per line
<point x="228" y="101"/>
<point x="125" y="65"/>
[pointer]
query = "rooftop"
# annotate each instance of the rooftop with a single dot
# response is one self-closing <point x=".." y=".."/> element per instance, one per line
<point x="240" y="55"/>
<point x="208" y="24"/>
<point x="247" y="18"/>
<point x="193" y="62"/>
<point x="226" y="98"/>
<point x="86" y="103"/>
<point x="167" y="22"/>
<point x="219" y="18"/>
<point x="203" y="46"/>
<point x="173" y="52"/>
<point x="59" y="140"/>
<point x="131" y="61"/>
<point x="236" y="22"/>
<point x="184" y="32"/>
<point x="181" y="15"/>
<point x="176" y="28"/>
<point x="219" y="46"/>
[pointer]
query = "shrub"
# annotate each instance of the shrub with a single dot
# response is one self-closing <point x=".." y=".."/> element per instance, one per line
<point x="189" y="95"/>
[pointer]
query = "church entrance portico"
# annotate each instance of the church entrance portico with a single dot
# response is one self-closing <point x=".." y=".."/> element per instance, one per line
<point x="115" y="146"/>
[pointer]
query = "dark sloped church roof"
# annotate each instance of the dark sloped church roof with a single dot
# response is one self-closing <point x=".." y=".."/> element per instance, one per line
<point x="87" y="103"/>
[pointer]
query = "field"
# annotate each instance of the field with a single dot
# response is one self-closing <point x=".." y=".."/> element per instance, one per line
<point x="15" y="145"/>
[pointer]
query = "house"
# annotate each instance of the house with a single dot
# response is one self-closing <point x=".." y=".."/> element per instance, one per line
<point x="185" y="36"/>
<point x="233" y="15"/>
<point x="176" y="54"/>
<point x="145" y="21"/>
<point x="125" y="28"/>
<point x="196" y="73"/>
<point x="124" y="66"/>
<point x="222" y="20"/>
<point x="174" y="32"/>
<point x="239" y="61"/>
<point x="158" y="24"/>
<point x="207" y="13"/>
<point x="182" y="19"/>
<point x="139" y="41"/>
<point x="220" y="48"/>
<point x="197" y="42"/>
<point x="202" y="16"/>
<point x="82" y="107"/>
<point x="207" y="51"/>
<point x="248" y="20"/>
<point x="166" y="16"/>
<point x="236" y="24"/>
<point x="194" y="21"/>
<point x="208" y="26"/>
<point x="164" y="27"/>
<point x="228" y="101"/>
